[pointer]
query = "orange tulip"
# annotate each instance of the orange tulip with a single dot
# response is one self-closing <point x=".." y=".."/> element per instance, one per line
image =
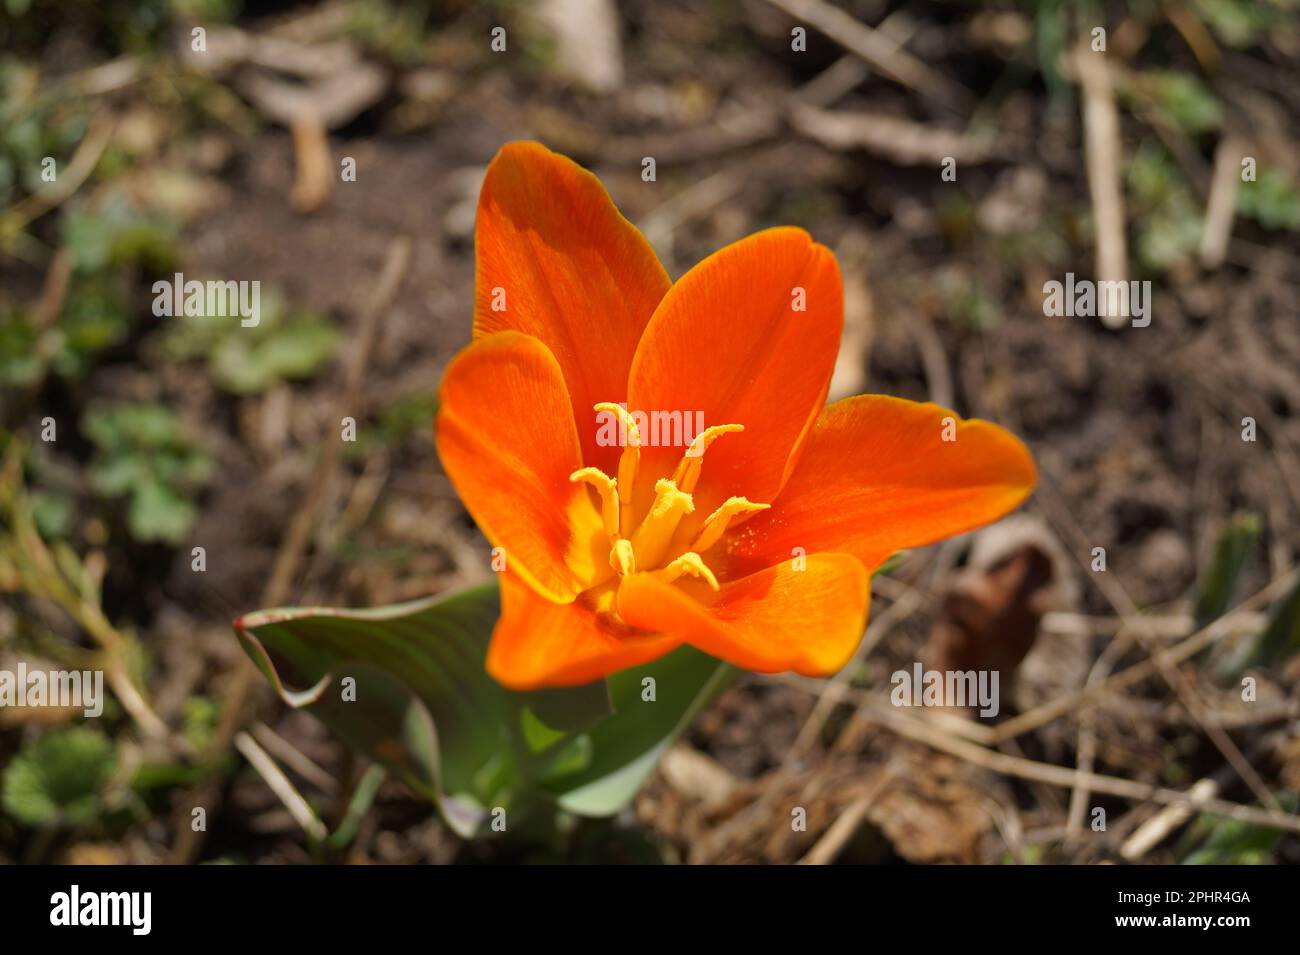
<point x="755" y="542"/>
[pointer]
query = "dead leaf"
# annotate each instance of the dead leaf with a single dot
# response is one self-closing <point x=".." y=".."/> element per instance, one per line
<point x="932" y="811"/>
<point x="990" y="614"/>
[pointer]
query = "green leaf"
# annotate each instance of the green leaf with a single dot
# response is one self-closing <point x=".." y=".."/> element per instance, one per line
<point x="1272" y="200"/>
<point x="1240" y="23"/>
<point x="200" y="715"/>
<point x="1167" y="213"/>
<point x="118" y="234"/>
<point x="363" y="797"/>
<point x="142" y="425"/>
<point x="425" y="708"/>
<point x="91" y="239"/>
<point x="1232" y="551"/>
<point x="52" y="512"/>
<point x="60" y="779"/>
<point x="420" y="702"/>
<point x="1279" y="640"/>
<point x="117" y="475"/>
<point x="21" y="364"/>
<point x="158" y="514"/>
<point x="143" y="451"/>
<point x="627" y="746"/>
<point x="93" y="319"/>
<point x="248" y="360"/>
<point x="1186" y="100"/>
<point x="1214" y="840"/>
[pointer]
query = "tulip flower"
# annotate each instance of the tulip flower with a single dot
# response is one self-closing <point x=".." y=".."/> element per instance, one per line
<point x="755" y="542"/>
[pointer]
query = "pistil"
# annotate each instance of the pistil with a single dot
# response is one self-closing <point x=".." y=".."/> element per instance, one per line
<point x="649" y="548"/>
<point x="652" y="538"/>
<point x="622" y="557"/>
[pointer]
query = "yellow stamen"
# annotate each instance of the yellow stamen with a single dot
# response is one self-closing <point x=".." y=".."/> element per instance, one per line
<point x="628" y="461"/>
<point x="717" y="522"/>
<point x="688" y="471"/>
<point x="689" y="563"/>
<point x="622" y="557"/>
<point x="653" y="537"/>
<point x="607" y="487"/>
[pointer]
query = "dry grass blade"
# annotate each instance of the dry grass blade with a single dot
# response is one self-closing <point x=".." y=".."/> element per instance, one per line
<point x="280" y="784"/>
<point x="1104" y="160"/>
<point x="899" y="140"/>
<point x="876" y="50"/>
<point x="79" y="168"/>
<point x="1124" y="605"/>
<point x="43" y="575"/>
<point x="1222" y="205"/>
<point x="833" y="840"/>
<point x="922" y="731"/>
<point x="1087" y="747"/>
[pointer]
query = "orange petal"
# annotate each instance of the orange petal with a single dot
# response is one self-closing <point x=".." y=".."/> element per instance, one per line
<point x="727" y="341"/>
<point x="571" y="272"/>
<point x="877" y="477"/>
<point x="808" y="620"/>
<point x="507" y="440"/>
<point x="538" y="643"/>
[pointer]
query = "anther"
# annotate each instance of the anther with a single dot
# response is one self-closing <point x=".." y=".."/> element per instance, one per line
<point x="688" y="470"/>
<point x="689" y="563"/>
<point x="716" y="523"/>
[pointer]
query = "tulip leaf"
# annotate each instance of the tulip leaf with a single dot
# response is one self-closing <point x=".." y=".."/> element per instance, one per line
<point x="648" y="717"/>
<point x="1279" y="640"/>
<point x="362" y="799"/>
<point x="1232" y="553"/>
<point x="1214" y="840"/>
<point x="407" y="686"/>
<point x="402" y="684"/>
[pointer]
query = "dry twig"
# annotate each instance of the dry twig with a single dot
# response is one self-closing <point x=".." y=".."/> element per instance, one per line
<point x="280" y="784"/>
<point x="1223" y="203"/>
<point x="923" y="731"/>
<point x="1104" y="160"/>
<point x="876" y="50"/>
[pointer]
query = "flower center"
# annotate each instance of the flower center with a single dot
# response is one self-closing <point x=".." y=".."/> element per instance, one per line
<point x="653" y="544"/>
